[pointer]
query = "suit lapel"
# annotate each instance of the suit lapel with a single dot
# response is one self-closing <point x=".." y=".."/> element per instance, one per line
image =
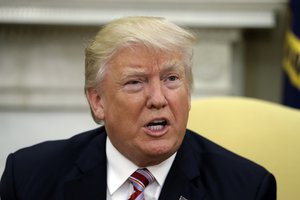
<point x="89" y="179"/>
<point x="183" y="180"/>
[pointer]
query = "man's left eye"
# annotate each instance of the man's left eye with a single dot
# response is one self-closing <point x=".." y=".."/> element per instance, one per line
<point x="172" y="78"/>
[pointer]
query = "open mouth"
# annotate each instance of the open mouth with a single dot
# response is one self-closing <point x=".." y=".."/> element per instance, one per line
<point x="157" y="125"/>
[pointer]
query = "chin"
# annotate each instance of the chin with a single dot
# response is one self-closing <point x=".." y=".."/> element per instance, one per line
<point x="162" y="150"/>
<point x="154" y="155"/>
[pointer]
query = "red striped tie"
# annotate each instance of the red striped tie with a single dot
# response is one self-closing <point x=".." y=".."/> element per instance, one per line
<point x="140" y="179"/>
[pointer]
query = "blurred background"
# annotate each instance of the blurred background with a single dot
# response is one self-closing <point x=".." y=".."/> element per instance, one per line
<point x="42" y="57"/>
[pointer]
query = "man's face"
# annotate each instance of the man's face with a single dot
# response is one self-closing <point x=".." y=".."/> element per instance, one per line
<point x="144" y="102"/>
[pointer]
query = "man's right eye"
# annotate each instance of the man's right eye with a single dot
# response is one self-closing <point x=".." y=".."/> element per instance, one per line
<point x="132" y="82"/>
<point x="133" y="85"/>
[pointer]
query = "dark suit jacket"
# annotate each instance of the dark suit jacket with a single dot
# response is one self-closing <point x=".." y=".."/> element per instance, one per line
<point x="75" y="169"/>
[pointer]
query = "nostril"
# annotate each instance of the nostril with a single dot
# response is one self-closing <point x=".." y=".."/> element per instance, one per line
<point x="156" y="103"/>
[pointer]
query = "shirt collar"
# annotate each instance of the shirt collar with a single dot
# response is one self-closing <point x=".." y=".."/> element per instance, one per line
<point x="119" y="168"/>
<point x="161" y="170"/>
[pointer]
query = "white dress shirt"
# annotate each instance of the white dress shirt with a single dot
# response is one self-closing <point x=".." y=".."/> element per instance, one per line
<point x="119" y="169"/>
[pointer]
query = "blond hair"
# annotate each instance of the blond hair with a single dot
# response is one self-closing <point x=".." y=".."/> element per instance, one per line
<point x="154" y="32"/>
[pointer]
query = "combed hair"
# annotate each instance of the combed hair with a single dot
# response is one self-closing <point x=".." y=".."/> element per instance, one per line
<point x="153" y="32"/>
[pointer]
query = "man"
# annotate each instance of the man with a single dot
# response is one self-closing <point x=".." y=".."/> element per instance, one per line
<point x="138" y="83"/>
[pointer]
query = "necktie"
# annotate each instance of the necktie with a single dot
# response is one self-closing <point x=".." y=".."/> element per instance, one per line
<point x="140" y="179"/>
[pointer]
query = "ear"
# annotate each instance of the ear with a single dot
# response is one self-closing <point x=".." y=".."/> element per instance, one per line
<point x="96" y="103"/>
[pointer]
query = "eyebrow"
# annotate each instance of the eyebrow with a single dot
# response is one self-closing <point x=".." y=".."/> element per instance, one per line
<point x="170" y="65"/>
<point x="133" y="71"/>
<point x="173" y="65"/>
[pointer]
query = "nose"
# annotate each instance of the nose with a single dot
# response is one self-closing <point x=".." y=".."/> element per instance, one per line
<point x="156" y="97"/>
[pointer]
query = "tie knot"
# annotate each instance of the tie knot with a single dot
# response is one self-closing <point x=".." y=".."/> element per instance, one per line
<point x="141" y="178"/>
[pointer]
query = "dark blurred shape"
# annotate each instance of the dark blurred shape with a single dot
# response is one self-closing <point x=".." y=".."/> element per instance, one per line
<point x="291" y="61"/>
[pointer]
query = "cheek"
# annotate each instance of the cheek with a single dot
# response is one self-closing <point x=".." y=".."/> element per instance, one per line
<point x="124" y="112"/>
<point x="180" y="108"/>
<point x="130" y="105"/>
<point x="181" y="101"/>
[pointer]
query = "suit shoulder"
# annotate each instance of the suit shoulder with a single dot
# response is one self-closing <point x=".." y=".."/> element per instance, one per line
<point x="52" y="153"/>
<point x="227" y="175"/>
<point x="36" y="172"/>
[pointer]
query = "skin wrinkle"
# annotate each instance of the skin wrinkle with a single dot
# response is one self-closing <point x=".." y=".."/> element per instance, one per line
<point x="137" y="73"/>
<point x="158" y="90"/>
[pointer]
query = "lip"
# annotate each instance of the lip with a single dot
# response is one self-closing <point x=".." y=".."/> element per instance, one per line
<point x="159" y="132"/>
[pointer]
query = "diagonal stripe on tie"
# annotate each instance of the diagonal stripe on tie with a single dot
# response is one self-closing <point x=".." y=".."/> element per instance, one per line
<point x="140" y="179"/>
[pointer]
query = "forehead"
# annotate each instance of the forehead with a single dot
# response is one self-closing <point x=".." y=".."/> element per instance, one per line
<point x="141" y="57"/>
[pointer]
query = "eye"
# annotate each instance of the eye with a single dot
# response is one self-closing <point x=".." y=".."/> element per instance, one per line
<point x="134" y="85"/>
<point x="132" y="82"/>
<point x="172" y="81"/>
<point x="172" y="78"/>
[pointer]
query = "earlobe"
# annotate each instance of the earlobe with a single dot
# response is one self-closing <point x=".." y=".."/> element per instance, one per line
<point x="96" y="103"/>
